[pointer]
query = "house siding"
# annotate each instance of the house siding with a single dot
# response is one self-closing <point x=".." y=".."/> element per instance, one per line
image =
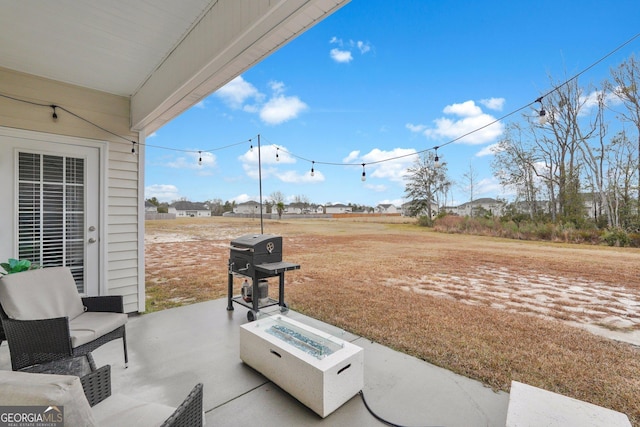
<point x="120" y="265"/>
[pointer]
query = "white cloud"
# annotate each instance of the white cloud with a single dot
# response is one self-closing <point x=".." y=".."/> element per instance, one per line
<point x="192" y="161"/>
<point x="276" y="87"/>
<point x="363" y="47"/>
<point x="237" y="92"/>
<point x="489" y="150"/>
<point x="393" y="170"/>
<point x="470" y="121"/>
<point x="241" y="95"/>
<point x="352" y="157"/>
<point x="241" y="198"/>
<point x="344" y="52"/>
<point x="281" y="109"/>
<point x="341" y="56"/>
<point x="200" y="104"/>
<point x="591" y="100"/>
<point x="493" y="103"/>
<point x="294" y="177"/>
<point x="488" y="187"/>
<point x="415" y="128"/>
<point x="268" y="160"/>
<point x="466" y="109"/>
<point x="163" y="192"/>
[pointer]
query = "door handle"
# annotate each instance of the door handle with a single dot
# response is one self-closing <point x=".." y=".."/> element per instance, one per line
<point x="92" y="240"/>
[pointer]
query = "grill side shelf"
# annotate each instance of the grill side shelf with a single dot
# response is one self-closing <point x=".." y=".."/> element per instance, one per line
<point x="276" y="268"/>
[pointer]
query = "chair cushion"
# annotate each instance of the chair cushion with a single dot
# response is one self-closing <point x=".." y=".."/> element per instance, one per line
<point x="91" y="325"/>
<point x="44" y="293"/>
<point x="22" y="388"/>
<point x="120" y="410"/>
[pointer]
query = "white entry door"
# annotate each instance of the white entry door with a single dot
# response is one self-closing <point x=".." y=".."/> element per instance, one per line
<point x="56" y="213"/>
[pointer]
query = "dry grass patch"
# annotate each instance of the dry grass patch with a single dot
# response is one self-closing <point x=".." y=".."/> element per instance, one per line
<point x="490" y="309"/>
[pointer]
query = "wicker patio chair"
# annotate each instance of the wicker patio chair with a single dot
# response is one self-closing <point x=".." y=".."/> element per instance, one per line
<point x="44" y="318"/>
<point x="189" y="413"/>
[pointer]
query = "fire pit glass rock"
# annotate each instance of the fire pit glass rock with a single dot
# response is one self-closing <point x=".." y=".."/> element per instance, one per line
<point x="306" y="341"/>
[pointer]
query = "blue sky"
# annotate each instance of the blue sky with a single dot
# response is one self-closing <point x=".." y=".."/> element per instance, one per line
<point x="378" y="80"/>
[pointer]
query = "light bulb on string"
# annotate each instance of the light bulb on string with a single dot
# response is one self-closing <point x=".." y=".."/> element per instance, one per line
<point x="312" y="171"/>
<point x="542" y="115"/>
<point x="133" y="148"/>
<point x="277" y="155"/>
<point x="54" y="116"/>
<point x="542" y="119"/>
<point x="364" y="174"/>
<point x="251" y="148"/>
<point x="436" y="159"/>
<point x="200" y="158"/>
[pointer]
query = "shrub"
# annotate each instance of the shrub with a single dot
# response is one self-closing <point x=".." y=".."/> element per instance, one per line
<point x="616" y="237"/>
<point x="449" y="224"/>
<point x="634" y="240"/>
<point x="425" y="221"/>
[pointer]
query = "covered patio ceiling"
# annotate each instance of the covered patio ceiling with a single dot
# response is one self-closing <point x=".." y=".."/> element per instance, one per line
<point x="165" y="55"/>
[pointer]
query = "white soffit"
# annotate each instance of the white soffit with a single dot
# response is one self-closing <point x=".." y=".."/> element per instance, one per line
<point x="165" y="54"/>
<point x="111" y="46"/>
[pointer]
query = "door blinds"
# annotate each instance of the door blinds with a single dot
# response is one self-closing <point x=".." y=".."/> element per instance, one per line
<point x="51" y="212"/>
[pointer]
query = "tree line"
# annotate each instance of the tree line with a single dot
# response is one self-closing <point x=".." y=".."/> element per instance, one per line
<point x="579" y="148"/>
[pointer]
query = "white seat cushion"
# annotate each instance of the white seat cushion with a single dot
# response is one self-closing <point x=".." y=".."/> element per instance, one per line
<point x="123" y="411"/>
<point x="91" y="325"/>
<point x="22" y="388"/>
<point x="44" y="293"/>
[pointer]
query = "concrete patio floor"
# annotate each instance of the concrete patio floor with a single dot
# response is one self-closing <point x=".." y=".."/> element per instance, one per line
<point x="172" y="350"/>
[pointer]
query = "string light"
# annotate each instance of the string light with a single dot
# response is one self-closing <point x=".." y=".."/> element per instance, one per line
<point x="436" y="160"/>
<point x="312" y="171"/>
<point x="542" y="118"/>
<point x="200" y="159"/>
<point x="251" y="148"/>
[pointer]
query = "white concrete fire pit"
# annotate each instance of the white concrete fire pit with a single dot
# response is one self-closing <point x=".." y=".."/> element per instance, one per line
<point x="318" y="369"/>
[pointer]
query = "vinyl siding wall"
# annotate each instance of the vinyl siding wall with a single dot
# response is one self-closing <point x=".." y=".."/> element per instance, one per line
<point x="123" y="259"/>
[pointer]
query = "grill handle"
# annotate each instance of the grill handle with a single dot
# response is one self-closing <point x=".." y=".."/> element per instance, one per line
<point x="235" y="248"/>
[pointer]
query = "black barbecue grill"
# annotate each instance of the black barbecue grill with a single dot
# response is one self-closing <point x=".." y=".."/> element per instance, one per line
<point x="257" y="257"/>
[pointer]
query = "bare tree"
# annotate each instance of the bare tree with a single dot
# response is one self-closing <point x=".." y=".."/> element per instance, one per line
<point x="426" y="184"/>
<point x="276" y="197"/>
<point x="469" y="180"/>
<point x="626" y="86"/>
<point x="514" y="164"/>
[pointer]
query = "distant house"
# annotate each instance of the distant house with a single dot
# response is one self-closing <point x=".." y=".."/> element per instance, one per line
<point x="406" y="210"/>
<point x="150" y="207"/>
<point x="296" y="208"/>
<point x="249" y="208"/>
<point x="387" y="208"/>
<point x="338" y="209"/>
<point x="317" y="209"/>
<point x="189" y="209"/>
<point x="481" y="206"/>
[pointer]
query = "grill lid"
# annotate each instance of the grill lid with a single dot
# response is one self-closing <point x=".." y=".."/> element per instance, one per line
<point x="258" y="244"/>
